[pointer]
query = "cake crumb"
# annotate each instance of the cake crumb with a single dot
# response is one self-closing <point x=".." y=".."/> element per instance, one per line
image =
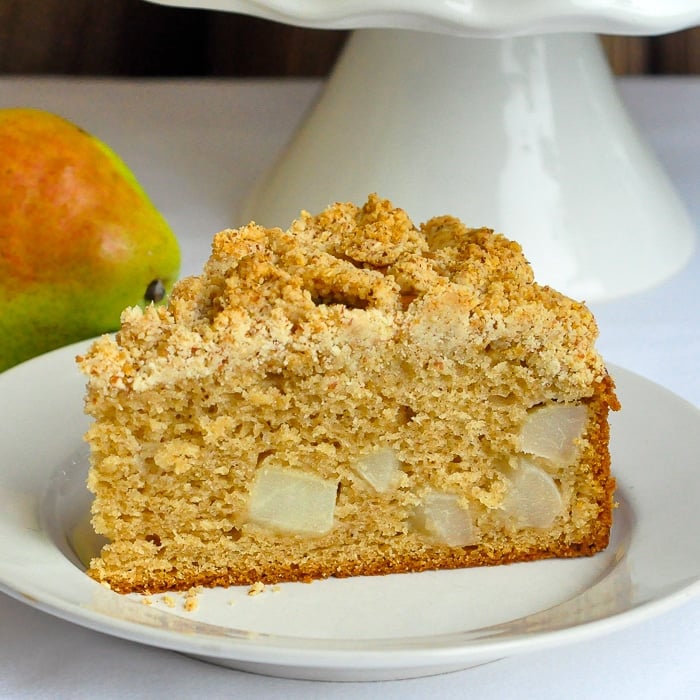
<point x="146" y="601"/>
<point x="256" y="589"/>
<point x="169" y="601"/>
<point x="276" y="588"/>
<point x="191" y="602"/>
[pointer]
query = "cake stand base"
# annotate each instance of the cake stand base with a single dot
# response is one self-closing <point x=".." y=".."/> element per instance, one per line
<point x="525" y="135"/>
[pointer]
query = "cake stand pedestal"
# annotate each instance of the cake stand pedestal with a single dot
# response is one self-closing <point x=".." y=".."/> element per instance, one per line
<point x="520" y="130"/>
<point x="526" y="135"/>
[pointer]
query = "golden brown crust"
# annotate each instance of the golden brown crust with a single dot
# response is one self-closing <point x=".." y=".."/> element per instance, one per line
<point x="352" y="331"/>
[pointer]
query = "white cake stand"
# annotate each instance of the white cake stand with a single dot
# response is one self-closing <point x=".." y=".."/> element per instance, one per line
<point x="502" y="112"/>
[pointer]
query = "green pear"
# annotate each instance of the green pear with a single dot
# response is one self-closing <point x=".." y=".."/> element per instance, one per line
<point x="79" y="238"/>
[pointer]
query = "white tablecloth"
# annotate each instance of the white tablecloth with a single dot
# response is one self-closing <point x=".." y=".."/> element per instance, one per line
<point x="197" y="147"/>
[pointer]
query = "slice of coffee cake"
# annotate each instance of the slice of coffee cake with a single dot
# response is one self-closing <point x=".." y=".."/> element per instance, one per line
<point x="352" y="396"/>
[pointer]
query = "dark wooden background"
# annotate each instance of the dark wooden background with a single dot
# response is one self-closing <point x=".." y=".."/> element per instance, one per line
<point x="137" y="38"/>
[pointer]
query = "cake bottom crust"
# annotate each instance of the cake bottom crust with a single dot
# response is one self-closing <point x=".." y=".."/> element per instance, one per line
<point x="391" y="563"/>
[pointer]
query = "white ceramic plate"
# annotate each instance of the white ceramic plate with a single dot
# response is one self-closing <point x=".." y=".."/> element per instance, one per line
<point x="363" y="628"/>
